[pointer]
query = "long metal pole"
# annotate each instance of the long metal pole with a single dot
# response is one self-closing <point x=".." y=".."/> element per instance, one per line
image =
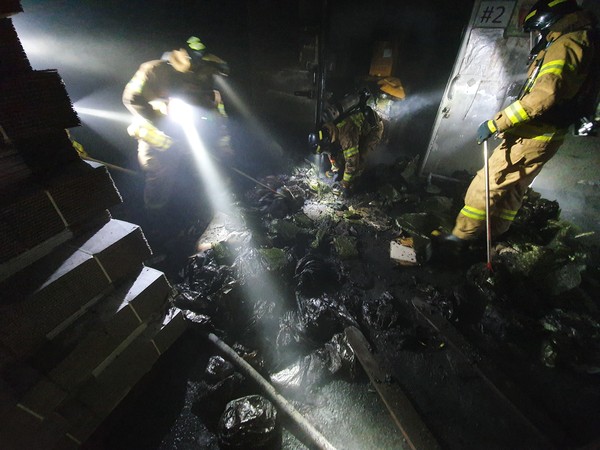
<point x="488" y="226"/>
<point x="322" y="61"/>
<point x="133" y="173"/>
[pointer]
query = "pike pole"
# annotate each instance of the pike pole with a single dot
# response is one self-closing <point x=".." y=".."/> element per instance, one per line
<point x="488" y="226"/>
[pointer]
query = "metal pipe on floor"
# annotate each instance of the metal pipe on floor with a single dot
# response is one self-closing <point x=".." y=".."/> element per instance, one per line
<point x="280" y="402"/>
<point x="133" y="173"/>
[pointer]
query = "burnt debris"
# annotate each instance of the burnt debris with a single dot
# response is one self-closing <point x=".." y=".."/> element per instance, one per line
<point x="311" y="263"/>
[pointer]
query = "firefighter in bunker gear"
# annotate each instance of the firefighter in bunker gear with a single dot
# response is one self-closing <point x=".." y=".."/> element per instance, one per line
<point x="391" y="90"/>
<point x="348" y="142"/>
<point x="354" y="131"/>
<point x="186" y="74"/>
<point x="534" y="126"/>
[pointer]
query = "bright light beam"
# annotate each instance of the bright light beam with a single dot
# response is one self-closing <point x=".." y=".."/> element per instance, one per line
<point x="103" y="114"/>
<point x="248" y="116"/>
<point x="218" y="193"/>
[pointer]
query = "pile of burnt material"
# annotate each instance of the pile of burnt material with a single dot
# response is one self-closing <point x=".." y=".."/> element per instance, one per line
<point x="307" y="263"/>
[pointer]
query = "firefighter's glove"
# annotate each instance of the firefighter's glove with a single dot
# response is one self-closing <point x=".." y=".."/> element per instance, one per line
<point x="161" y="107"/>
<point x="145" y="131"/>
<point x="345" y="192"/>
<point x="344" y="189"/>
<point x="330" y="174"/>
<point x="336" y="188"/>
<point x="486" y="130"/>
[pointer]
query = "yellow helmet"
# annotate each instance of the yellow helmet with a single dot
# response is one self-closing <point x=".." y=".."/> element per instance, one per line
<point x="392" y="86"/>
<point x="195" y="44"/>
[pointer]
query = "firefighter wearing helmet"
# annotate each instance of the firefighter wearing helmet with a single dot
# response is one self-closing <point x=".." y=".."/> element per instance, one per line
<point x="185" y="74"/>
<point x="352" y="130"/>
<point x="534" y="126"/>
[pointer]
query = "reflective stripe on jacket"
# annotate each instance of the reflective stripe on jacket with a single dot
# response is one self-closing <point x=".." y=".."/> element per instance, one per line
<point x="164" y="79"/>
<point x="565" y="66"/>
<point x="357" y="137"/>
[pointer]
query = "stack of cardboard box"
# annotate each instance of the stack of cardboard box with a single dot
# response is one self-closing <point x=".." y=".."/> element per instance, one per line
<point x="82" y="319"/>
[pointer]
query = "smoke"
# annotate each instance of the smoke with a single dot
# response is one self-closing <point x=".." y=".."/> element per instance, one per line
<point x="415" y="104"/>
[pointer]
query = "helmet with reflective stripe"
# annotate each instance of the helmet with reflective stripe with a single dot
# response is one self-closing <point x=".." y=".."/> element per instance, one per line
<point x="545" y="13"/>
<point x="321" y="139"/>
<point x="195" y="44"/>
<point x="196" y="50"/>
<point x="393" y="87"/>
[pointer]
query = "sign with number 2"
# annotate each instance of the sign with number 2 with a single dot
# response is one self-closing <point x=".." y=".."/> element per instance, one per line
<point x="493" y="14"/>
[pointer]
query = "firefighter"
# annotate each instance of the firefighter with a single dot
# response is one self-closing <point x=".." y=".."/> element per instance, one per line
<point x="186" y="74"/>
<point x="534" y="126"/>
<point x="349" y="136"/>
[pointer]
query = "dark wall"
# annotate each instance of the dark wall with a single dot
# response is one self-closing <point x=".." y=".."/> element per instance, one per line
<point x="270" y="45"/>
<point x="427" y="36"/>
<point x="283" y="34"/>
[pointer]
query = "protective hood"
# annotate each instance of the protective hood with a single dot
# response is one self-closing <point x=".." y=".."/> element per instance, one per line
<point x="578" y="20"/>
<point x="180" y="60"/>
<point x="332" y="131"/>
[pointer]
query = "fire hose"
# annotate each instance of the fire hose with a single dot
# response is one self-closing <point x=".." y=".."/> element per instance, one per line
<point x="307" y="429"/>
<point x="139" y="175"/>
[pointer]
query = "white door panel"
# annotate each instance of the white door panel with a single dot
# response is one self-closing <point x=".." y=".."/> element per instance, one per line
<point x="488" y="74"/>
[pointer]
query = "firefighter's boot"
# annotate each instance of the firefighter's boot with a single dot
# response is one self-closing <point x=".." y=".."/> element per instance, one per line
<point x="449" y="248"/>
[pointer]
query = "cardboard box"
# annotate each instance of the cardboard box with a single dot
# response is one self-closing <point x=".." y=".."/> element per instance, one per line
<point x="109" y="326"/>
<point x="27" y="220"/>
<point x="383" y="59"/>
<point x="148" y="294"/>
<point x="44" y="295"/>
<point x="83" y="191"/>
<point x="12" y="54"/>
<point x="82" y="422"/>
<point x="81" y="362"/>
<point x="119" y="247"/>
<point x="410" y="250"/>
<point x="8" y="399"/>
<point x="24" y="429"/>
<point x="173" y="326"/>
<point x="50" y="294"/>
<point x="44" y="397"/>
<point x="68" y="442"/>
<point x="112" y="382"/>
<point x="34" y="102"/>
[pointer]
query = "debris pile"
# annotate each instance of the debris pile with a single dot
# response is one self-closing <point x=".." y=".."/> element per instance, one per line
<point x="308" y="264"/>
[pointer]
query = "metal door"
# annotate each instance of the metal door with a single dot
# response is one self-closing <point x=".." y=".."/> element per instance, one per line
<point x="488" y="74"/>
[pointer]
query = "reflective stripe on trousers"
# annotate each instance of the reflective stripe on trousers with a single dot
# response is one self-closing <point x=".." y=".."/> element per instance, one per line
<point x="513" y="166"/>
<point x="160" y="169"/>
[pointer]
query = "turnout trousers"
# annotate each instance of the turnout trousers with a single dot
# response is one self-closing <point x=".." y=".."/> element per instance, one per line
<point x="513" y="166"/>
<point x="160" y="169"/>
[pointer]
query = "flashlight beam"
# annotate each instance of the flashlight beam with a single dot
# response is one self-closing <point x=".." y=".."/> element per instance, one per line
<point x="116" y="117"/>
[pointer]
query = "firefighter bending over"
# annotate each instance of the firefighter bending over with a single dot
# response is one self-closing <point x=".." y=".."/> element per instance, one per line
<point x="533" y="127"/>
<point x="186" y="74"/>
<point x="351" y="133"/>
